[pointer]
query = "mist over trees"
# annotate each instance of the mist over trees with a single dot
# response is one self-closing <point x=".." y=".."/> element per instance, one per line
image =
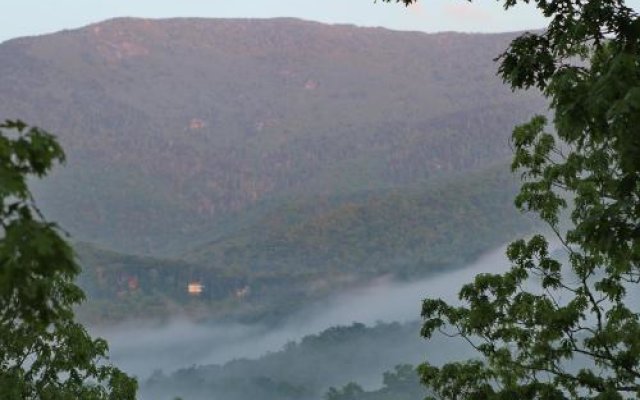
<point x="305" y="369"/>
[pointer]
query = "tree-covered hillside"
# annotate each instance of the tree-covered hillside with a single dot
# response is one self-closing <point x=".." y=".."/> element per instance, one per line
<point x="403" y="383"/>
<point x="296" y="251"/>
<point x="170" y="126"/>
<point x="304" y="370"/>
<point x="405" y="231"/>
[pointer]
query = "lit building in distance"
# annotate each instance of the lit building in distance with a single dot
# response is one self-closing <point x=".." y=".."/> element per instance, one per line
<point x="195" y="288"/>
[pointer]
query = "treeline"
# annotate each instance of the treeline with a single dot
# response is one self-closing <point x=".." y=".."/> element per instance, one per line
<point x="402" y="383"/>
<point x="308" y="369"/>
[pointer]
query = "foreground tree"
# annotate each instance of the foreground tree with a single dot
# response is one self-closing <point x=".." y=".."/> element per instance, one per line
<point x="44" y="354"/>
<point x="545" y="330"/>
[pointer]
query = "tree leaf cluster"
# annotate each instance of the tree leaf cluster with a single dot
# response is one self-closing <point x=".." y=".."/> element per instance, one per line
<point x="44" y="353"/>
<point x="547" y="329"/>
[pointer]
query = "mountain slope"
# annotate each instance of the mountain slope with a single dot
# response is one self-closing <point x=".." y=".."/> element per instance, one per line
<point x="174" y="126"/>
<point x="387" y="231"/>
<point x="295" y="252"/>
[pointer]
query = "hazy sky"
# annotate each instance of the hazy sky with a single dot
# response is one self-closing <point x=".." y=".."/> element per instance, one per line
<point x="31" y="17"/>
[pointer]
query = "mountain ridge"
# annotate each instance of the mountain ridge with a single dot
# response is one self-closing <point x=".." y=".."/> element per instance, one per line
<point x="196" y="119"/>
<point x="270" y="154"/>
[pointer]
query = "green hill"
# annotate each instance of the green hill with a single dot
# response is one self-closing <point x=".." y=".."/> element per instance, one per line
<point x="392" y="231"/>
<point x="297" y="251"/>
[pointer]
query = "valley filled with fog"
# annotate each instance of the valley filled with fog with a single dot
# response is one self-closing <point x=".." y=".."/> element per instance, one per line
<point x="142" y="348"/>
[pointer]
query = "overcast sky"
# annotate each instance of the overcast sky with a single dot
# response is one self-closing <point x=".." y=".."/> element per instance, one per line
<point x="32" y="17"/>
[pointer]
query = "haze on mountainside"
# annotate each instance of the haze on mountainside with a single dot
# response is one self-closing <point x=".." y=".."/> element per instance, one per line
<point x="270" y="152"/>
<point x="276" y="163"/>
<point x="314" y="348"/>
<point x="195" y="119"/>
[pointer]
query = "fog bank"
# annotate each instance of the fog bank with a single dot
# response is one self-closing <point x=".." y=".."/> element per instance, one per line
<point x="141" y="348"/>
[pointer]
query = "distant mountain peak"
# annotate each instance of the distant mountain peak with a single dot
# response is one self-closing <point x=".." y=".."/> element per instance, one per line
<point x="172" y="125"/>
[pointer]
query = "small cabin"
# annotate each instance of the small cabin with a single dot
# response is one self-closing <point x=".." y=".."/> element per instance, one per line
<point x="195" y="288"/>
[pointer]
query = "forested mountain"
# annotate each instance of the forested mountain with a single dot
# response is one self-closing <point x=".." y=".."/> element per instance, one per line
<point x="297" y="251"/>
<point x="175" y="127"/>
<point x="279" y="258"/>
<point x="382" y="231"/>
<point x="273" y="162"/>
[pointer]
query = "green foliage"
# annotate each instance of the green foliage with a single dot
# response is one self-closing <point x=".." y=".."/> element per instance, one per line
<point x="547" y="330"/>
<point x="351" y="391"/>
<point x="44" y="354"/>
<point x="402" y="383"/>
<point x="407" y="231"/>
<point x="307" y="369"/>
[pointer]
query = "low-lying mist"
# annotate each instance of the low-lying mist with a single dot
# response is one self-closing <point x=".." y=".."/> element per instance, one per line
<point x="141" y="348"/>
